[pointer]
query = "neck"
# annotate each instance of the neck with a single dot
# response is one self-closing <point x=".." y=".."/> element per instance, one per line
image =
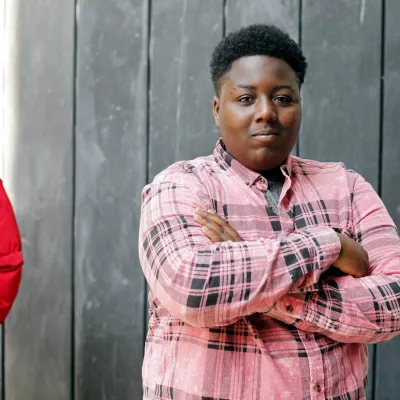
<point x="274" y="174"/>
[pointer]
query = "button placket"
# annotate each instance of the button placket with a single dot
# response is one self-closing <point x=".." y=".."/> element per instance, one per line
<point x="315" y="365"/>
<point x="262" y="184"/>
<point x="287" y="224"/>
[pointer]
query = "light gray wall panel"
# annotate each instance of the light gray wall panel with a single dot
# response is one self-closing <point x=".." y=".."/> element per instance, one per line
<point x="142" y="103"/>
<point x="38" y="176"/>
<point x="282" y="13"/>
<point x="341" y="94"/>
<point x="110" y="174"/>
<point x="183" y="35"/>
<point x="391" y="114"/>
<point x="341" y="40"/>
<point x="2" y="114"/>
<point x="387" y="367"/>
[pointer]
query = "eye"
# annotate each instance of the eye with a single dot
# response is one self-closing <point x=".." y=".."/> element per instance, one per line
<point x="245" y="99"/>
<point x="284" y="99"/>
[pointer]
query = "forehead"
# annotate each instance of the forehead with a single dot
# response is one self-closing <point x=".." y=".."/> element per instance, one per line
<point x="255" y="70"/>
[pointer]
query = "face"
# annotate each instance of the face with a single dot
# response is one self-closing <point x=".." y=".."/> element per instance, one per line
<point x="258" y="111"/>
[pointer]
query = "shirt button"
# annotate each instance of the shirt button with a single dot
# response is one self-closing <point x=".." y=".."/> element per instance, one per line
<point x="289" y="308"/>
<point x="308" y="337"/>
<point x="247" y="183"/>
<point x="318" y="388"/>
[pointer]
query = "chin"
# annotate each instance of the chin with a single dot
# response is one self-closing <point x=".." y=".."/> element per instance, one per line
<point x="265" y="159"/>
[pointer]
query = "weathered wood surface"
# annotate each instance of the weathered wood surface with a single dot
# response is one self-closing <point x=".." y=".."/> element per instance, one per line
<point x="183" y="35"/>
<point x="341" y="95"/>
<point x="2" y="124"/>
<point x="111" y="168"/>
<point x="391" y="116"/>
<point x="143" y="101"/>
<point x="387" y="367"/>
<point x="38" y="177"/>
<point x="282" y="13"/>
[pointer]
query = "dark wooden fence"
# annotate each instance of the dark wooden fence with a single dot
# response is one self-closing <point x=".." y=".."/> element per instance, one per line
<point x="103" y="94"/>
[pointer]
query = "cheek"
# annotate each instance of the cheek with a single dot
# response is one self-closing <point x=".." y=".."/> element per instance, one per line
<point x="291" y="119"/>
<point x="235" y="117"/>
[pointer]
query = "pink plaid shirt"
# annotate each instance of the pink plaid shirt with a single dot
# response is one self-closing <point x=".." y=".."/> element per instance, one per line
<point x="255" y="320"/>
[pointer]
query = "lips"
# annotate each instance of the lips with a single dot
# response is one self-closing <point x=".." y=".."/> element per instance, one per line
<point x="265" y="132"/>
<point x="266" y="137"/>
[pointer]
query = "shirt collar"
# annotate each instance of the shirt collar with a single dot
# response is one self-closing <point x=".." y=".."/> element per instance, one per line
<point x="228" y="163"/>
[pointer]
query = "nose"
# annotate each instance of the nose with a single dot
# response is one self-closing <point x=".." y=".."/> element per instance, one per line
<point x="265" y="111"/>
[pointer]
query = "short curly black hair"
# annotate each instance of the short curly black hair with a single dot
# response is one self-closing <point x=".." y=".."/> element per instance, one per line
<point x="256" y="39"/>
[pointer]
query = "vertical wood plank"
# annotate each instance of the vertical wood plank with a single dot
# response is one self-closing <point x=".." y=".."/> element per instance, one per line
<point x="2" y="126"/>
<point x="3" y="58"/>
<point x="341" y="40"/>
<point x="391" y="122"/>
<point x="387" y="368"/>
<point x="110" y="174"/>
<point x="341" y="108"/>
<point x="282" y="13"/>
<point x="38" y="177"/>
<point x="183" y="35"/>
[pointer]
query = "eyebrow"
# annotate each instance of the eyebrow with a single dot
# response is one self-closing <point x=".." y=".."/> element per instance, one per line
<point x="247" y="87"/>
<point x="253" y="87"/>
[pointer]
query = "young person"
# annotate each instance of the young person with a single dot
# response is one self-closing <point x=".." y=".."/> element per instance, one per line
<point x="268" y="273"/>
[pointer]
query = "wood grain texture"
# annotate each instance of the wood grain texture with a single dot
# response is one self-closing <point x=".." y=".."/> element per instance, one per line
<point x="114" y="129"/>
<point x="2" y="125"/>
<point x="391" y="115"/>
<point x="183" y="36"/>
<point x="387" y="367"/>
<point x="38" y="177"/>
<point x="341" y="94"/>
<point x="282" y="13"/>
<point x="110" y="174"/>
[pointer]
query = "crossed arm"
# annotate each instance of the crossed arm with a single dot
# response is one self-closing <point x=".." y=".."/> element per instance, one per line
<point x="351" y="308"/>
<point x="213" y="284"/>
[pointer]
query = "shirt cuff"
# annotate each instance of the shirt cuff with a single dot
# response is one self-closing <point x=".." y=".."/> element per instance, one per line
<point x="326" y="244"/>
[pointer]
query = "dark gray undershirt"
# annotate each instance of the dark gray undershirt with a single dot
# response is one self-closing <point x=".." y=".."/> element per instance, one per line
<point x="275" y="180"/>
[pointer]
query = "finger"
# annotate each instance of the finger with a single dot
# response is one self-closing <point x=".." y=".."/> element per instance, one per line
<point x="205" y="218"/>
<point x="214" y="227"/>
<point x="212" y="235"/>
<point x="216" y="232"/>
<point x="225" y="228"/>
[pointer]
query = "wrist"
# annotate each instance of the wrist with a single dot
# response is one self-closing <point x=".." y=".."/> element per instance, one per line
<point x="340" y="236"/>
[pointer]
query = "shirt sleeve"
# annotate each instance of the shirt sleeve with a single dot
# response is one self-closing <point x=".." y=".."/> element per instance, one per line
<point x="347" y="309"/>
<point x="10" y="255"/>
<point x="209" y="285"/>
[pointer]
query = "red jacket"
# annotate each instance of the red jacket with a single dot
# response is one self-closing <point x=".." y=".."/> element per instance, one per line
<point x="10" y="255"/>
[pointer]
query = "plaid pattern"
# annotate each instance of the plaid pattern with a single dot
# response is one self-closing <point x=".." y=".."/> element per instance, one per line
<point x="255" y="320"/>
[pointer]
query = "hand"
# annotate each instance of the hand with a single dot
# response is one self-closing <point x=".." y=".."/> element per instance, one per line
<point x="215" y="227"/>
<point x="353" y="259"/>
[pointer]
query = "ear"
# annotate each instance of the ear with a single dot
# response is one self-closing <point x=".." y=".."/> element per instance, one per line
<point x="216" y="110"/>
